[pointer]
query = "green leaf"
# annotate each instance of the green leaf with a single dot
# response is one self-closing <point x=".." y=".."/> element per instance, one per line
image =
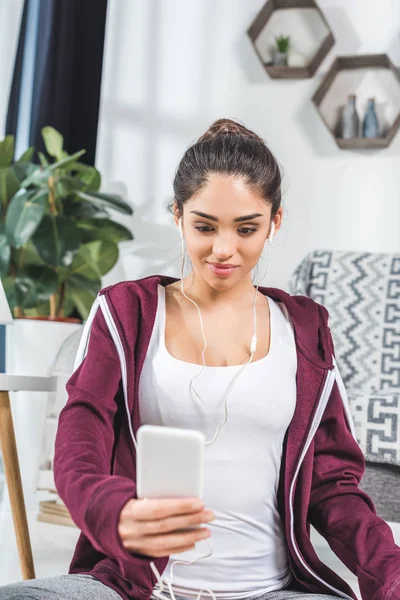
<point x="54" y="141"/>
<point x="38" y="177"/>
<point x="26" y="255"/>
<point x="103" y="229"/>
<point x="41" y="175"/>
<point x="67" y="161"/>
<point x="5" y="253"/>
<point x="95" y="259"/>
<point x="83" y="210"/>
<point x="9" y="289"/>
<point x="26" y="156"/>
<point x="34" y="285"/>
<point x="68" y="305"/>
<point x="70" y="184"/>
<point x="109" y="200"/>
<point x="24" y="214"/>
<point x="56" y="240"/>
<point x="42" y="310"/>
<point x="89" y="176"/>
<point x="22" y="170"/>
<point x="6" y="151"/>
<point x="9" y="184"/>
<point x="43" y="160"/>
<point x="81" y="295"/>
<point x="79" y="281"/>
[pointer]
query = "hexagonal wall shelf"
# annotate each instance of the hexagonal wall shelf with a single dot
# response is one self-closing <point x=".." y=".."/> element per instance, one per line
<point x="310" y="37"/>
<point x="369" y="76"/>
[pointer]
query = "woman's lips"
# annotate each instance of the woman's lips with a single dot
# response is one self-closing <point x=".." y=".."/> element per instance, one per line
<point x="221" y="271"/>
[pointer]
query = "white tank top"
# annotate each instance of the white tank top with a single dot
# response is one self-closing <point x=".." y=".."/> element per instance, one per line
<point x="241" y="466"/>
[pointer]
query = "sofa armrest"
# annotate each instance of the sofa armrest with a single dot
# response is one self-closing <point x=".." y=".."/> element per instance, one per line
<point x="380" y="482"/>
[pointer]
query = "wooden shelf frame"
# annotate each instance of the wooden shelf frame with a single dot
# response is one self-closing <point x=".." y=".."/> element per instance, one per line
<point x="288" y="72"/>
<point x="357" y="62"/>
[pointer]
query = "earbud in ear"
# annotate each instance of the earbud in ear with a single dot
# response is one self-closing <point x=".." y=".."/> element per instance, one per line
<point x="180" y="227"/>
<point x="271" y="235"/>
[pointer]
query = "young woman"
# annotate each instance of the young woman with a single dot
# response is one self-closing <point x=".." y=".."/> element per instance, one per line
<point x="285" y="458"/>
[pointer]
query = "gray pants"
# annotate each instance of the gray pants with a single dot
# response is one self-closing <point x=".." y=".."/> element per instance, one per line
<point x="85" y="587"/>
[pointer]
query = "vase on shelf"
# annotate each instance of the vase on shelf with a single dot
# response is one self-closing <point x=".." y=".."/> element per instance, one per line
<point x="370" y="128"/>
<point x="350" y="119"/>
<point x="280" y="59"/>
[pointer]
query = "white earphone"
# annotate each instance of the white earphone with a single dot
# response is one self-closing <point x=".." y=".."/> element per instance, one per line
<point x="180" y="227"/>
<point x="271" y="235"/>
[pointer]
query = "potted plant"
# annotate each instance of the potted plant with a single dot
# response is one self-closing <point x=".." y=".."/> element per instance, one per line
<point x="57" y="240"/>
<point x="281" y="51"/>
<point x="56" y="236"/>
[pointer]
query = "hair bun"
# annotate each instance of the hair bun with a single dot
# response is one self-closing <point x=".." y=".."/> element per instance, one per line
<point x="227" y="126"/>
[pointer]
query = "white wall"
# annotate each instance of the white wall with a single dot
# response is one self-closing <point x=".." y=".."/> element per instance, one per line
<point x="172" y="66"/>
<point x="10" y="17"/>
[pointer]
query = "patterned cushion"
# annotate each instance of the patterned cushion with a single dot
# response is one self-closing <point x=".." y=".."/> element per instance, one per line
<point x="377" y="423"/>
<point x="362" y="294"/>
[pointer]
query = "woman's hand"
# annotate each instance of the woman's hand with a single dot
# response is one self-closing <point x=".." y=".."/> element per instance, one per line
<point x="154" y="527"/>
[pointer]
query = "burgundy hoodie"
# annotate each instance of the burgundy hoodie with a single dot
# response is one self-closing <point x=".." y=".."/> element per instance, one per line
<point x="322" y="464"/>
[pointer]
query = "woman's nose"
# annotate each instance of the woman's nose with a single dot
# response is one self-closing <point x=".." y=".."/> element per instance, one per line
<point x="224" y="246"/>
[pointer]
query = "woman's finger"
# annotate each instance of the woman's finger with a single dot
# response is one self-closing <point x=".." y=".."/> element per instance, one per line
<point x="172" y="523"/>
<point x="169" y="542"/>
<point x="160" y="508"/>
<point x="163" y="545"/>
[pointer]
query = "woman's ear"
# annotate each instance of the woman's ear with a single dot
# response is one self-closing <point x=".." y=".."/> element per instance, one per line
<point x="278" y="220"/>
<point x="177" y="214"/>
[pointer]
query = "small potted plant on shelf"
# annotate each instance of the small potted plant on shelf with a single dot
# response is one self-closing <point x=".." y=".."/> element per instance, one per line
<point x="281" y="50"/>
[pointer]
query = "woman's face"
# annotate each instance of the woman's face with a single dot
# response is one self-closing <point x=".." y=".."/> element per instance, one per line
<point x="225" y="227"/>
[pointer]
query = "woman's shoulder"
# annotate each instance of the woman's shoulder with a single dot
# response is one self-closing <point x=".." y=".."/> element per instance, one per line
<point x="310" y="321"/>
<point x="147" y="284"/>
<point x="133" y="295"/>
<point x="298" y="305"/>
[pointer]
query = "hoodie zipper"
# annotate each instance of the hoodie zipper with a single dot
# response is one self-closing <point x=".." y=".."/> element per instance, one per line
<point x="323" y="401"/>
<point x="326" y="392"/>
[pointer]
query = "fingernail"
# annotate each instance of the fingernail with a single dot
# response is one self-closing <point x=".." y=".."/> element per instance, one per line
<point x="199" y="504"/>
<point x="209" y="516"/>
<point x="205" y="534"/>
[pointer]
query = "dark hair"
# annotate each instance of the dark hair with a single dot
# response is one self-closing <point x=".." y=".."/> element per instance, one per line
<point x="229" y="148"/>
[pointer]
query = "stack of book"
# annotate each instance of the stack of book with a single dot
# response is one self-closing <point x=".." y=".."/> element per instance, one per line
<point x="55" y="511"/>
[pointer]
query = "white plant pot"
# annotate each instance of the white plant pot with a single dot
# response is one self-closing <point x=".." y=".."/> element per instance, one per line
<point x="31" y="349"/>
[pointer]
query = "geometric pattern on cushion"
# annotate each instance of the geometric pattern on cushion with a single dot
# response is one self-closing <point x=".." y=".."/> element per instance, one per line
<point x="361" y="292"/>
<point x="377" y="425"/>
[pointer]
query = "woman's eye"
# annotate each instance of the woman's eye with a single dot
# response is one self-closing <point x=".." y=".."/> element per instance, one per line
<point x="247" y="230"/>
<point x="204" y="229"/>
<point x="243" y="230"/>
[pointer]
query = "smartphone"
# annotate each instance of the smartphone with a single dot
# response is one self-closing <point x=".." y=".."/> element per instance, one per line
<point x="170" y="462"/>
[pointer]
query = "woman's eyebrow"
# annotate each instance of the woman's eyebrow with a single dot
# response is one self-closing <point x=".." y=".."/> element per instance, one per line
<point x="237" y="220"/>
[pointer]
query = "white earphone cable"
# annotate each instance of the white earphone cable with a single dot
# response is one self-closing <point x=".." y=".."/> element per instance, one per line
<point x="253" y="347"/>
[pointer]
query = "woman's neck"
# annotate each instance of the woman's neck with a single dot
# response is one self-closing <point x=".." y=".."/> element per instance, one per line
<point x="203" y="294"/>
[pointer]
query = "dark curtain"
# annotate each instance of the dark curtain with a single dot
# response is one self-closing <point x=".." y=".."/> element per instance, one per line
<point x="67" y="77"/>
<point x="68" y="67"/>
